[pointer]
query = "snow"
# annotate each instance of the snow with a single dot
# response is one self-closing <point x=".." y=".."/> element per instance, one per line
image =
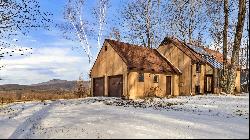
<point x="202" y="116"/>
<point x="209" y="58"/>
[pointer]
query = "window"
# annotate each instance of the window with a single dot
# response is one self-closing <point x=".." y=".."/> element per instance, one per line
<point x="198" y="68"/>
<point x="141" y="77"/>
<point x="106" y="48"/>
<point x="156" y="78"/>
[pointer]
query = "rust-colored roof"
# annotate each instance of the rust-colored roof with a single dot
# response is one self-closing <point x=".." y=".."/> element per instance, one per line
<point x="183" y="47"/>
<point x="142" y="58"/>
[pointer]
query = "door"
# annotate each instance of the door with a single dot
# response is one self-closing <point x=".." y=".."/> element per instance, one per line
<point x="209" y="84"/>
<point x="98" y="86"/>
<point x="168" y="86"/>
<point x="115" y="87"/>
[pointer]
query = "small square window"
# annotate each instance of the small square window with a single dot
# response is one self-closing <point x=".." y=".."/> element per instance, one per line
<point x="156" y="78"/>
<point x="141" y="77"/>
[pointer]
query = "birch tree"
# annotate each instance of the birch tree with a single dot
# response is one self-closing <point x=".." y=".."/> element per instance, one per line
<point x="100" y="13"/>
<point x="79" y="28"/>
<point x="74" y="15"/>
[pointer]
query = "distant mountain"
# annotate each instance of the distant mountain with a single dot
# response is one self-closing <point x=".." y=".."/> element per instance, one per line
<point x="54" y="84"/>
<point x="51" y="82"/>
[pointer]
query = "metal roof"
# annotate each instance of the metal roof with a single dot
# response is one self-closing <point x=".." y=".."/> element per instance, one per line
<point x="208" y="57"/>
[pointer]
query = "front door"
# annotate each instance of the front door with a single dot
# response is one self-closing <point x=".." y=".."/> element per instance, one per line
<point x="115" y="87"/>
<point x="209" y="84"/>
<point x="168" y="85"/>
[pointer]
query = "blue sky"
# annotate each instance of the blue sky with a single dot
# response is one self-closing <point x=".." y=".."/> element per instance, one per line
<point x="52" y="55"/>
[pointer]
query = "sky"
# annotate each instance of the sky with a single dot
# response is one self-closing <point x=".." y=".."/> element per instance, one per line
<point x="52" y="56"/>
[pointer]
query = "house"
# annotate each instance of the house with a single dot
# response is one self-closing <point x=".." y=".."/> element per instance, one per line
<point x="201" y="67"/>
<point x="131" y="71"/>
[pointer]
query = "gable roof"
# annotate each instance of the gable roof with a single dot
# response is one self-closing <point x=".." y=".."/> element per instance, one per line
<point x="198" y="53"/>
<point x="141" y="58"/>
<point x="183" y="47"/>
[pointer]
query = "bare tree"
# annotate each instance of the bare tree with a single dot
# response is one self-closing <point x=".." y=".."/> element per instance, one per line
<point x="74" y="15"/>
<point x="186" y="19"/>
<point x="236" y="47"/>
<point x="19" y="17"/>
<point x="143" y="22"/>
<point x="78" y="28"/>
<point x="100" y="13"/>
<point x="115" y="34"/>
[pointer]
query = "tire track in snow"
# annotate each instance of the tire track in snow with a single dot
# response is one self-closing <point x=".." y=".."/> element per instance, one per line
<point x="24" y="109"/>
<point x="25" y="129"/>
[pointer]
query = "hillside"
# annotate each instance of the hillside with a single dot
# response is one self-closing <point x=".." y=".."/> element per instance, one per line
<point x="54" y="84"/>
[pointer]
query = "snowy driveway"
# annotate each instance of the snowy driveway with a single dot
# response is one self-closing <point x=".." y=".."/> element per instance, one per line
<point x="185" y="117"/>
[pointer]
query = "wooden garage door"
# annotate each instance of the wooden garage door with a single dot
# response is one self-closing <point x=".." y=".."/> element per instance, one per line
<point x="98" y="86"/>
<point x="115" y="87"/>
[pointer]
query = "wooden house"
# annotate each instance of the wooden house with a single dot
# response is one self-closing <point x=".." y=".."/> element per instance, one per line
<point x="201" y="67"/>
<point x="131" y="71"/>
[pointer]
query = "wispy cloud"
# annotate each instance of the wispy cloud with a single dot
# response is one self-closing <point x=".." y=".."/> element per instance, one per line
<point x="44" y="64"/>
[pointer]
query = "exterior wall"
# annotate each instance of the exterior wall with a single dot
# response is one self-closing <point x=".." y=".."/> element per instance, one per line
<point x="208" y="69"/>
<point x="138" y="89"/>
<point x="182" y="62"/>
<point x="109" y="63"/>
<point x="237" y="82"/>
<point x="201" y="79"/>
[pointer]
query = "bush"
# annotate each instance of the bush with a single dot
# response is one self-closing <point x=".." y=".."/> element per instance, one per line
<point x="81" y="91"/>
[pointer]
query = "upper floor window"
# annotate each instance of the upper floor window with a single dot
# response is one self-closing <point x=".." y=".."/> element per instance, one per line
<point x="141" y="77"/>
<point x="156" y="78"/>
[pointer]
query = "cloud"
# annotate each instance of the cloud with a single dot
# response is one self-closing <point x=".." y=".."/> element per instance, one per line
<point x="44" y="64"/>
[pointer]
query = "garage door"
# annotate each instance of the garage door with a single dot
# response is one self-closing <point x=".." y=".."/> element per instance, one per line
<point x="98" y="86"/>
<point x="115" y="87"/>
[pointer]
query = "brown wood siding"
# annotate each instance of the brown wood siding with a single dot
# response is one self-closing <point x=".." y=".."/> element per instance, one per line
<point x="109" y="63"/>
<point x="115" y="88"/>
<point x="182" y="62"/>
<point x="138" y="89"/>
<point x="98" y="86"/>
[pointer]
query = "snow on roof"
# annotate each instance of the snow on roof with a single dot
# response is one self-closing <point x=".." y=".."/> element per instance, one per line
<point x="212" y="61"/>
<point x="198" y="50"/>
<point x="208" y="57"/>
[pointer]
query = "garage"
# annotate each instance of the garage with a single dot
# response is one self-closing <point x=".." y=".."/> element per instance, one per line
<point x="98" y="86"/>
<point x="115" y="86"/>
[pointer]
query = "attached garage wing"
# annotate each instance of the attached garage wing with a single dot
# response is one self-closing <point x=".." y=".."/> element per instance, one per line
<point x="115" y="87"/>
<point x="98" y="86"/>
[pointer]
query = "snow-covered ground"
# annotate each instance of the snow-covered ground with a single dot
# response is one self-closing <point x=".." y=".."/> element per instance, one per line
<point x="205" y="116"/>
